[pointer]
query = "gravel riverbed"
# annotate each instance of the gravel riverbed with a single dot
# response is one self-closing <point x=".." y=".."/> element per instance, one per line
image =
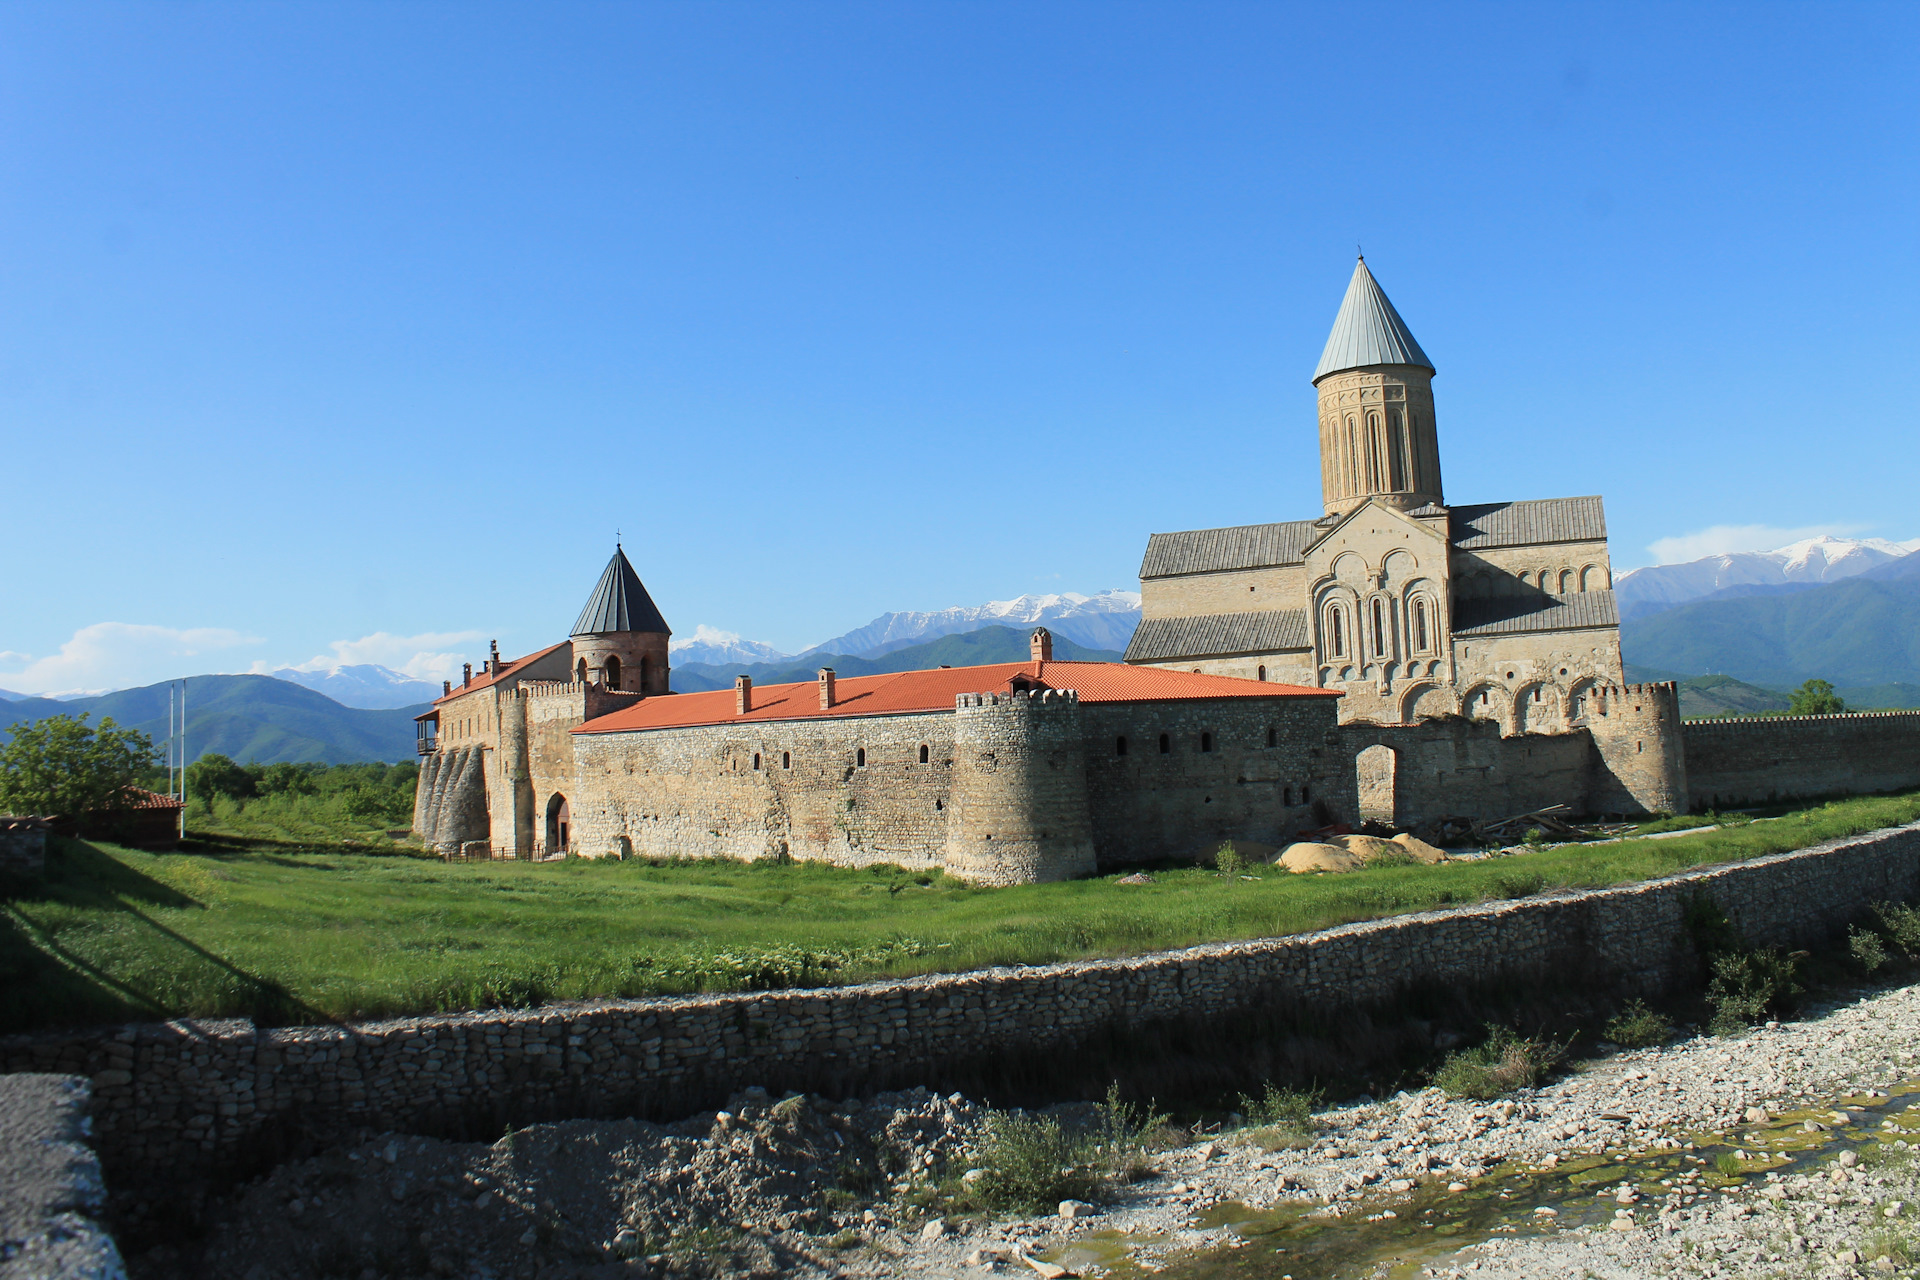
<point x="808" y="1187"/>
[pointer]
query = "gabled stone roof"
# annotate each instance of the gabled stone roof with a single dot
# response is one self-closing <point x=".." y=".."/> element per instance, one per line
<point x="1213" y="634"/>
<point x="1522" y="524"/>
<point x="1247" y="546"/>
<point x="619" y="603"/>
<point x="1368" y="331"/>
<point x="1514" y="615"/>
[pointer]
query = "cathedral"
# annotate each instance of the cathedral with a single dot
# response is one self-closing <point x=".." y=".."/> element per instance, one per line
<point x="1411" y="608"/>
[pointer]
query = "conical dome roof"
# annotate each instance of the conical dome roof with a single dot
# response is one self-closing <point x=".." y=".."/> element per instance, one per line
<point x="619" y="603"/>
<point x="1368" y="331"/>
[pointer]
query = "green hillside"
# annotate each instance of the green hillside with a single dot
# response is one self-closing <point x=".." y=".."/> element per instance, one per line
<point x="249" y="718"/>
<point x="1857" y="634"/>
<point x="973" y="649"/>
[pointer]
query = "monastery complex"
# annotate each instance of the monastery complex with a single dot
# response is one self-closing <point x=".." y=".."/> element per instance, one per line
<point x="1394" y="657"/>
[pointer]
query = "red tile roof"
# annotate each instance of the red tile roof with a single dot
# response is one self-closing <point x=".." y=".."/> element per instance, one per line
<point x="131" y="798"/>
<point x="483" y="680"/>
<point x="904" y="692"/>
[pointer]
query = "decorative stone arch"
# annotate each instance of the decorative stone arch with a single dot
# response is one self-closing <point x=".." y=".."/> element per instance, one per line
<point x="622" y="848"/>
<point x="580" y="671"/>
<point x="1338" y="619"/>
<point x="1580" y="700"/>
<point x="1428" y="701"/>
<point x="1566" y="581"/>
<point x="1595" y="578"/>
<point x="1534" y="707"/>
<point x="1422" y="632"/>
<point x="610" y="673"/>
<point x="559" y="824"/>
<point x="1378" y="623"/>
<point x="1486" y="701"/>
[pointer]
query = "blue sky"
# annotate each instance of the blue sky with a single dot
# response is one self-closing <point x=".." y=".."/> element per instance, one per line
<point x="357" y="330"/>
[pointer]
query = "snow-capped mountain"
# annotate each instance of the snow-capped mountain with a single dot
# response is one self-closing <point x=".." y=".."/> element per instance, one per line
<point x="1808" y="562"/>
<point x="719" y="648"/>
<point x="1103" y="621"/>
<point x="366" y="685"/>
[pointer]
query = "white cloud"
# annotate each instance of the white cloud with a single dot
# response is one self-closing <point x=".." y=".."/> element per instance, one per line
<point x="118" y="655"/>
<point x="704" y="634"/>
<point x="424" y="657"/>
<point x="1725" y="539"/>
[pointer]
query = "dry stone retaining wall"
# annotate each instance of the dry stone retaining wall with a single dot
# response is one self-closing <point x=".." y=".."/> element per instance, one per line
<point x="178" y="1098"/>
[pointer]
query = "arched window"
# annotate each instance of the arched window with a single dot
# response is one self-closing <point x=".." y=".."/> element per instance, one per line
<point x="646" y="669"/>
<point x="1379" y="628"/>
<point x="581" y="671"/>
<point x="1304" y="797"/>
<point x="860" y="758"/>
<point x="923" y="753"/>
<point x="1206" y="742"/>
<point x="1120" y="745"/>
<point x="1273" y="738"/>
<point x="613" y="672"/>
<point x="1353" y="457"/>
<point x="1260" y="673"/>
<point x="1420" y="640"/>
<point x="1397" y="451"/>
<point x="1336" y="633"/>
<point x="786" y="759"/>
<point x="1166" y="745"/>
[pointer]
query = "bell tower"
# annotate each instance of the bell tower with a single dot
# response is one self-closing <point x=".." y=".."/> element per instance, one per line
<point x="620" y="639"/>
<point x="1377" y="434"/>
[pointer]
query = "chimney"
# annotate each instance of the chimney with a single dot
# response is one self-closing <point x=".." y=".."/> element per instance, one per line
<point x="466" y="674"/>
<point x="446" y="688"/>
<point x="493" y="659"/>
<point x="826" y="688"/>
<point x="1040" y="645"/>
<point x="742" y="695"/>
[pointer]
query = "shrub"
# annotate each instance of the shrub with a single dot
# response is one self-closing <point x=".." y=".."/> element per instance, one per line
<point x="1727" y="1163"/>
<point x="1639" y="1027"/>
<point x="1033" y="1163"/>
<point x="1124" y="1135"/>
<point x="1229" y="861"/>
<point x="1501" y="1062"/>
<point x="1901" y="924"/>
<point x="1281" y="1115"/>
<point x="1867" y="950"/>
<point x="1748" y="985"/>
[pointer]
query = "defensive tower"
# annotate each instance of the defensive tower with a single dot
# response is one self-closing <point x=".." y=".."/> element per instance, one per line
<point x="620" y="639"/>
<point x="1377" y="434"/>
<point x="1019" y="789"/>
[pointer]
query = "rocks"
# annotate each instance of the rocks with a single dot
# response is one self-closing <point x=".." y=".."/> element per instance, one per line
<point x="1046" y="1270"/>
<point x="1138" y="877"/>
<point x="1071" y="1209"/>
<point x="933" y="1230"/>
<point x="1757" y="1115"/>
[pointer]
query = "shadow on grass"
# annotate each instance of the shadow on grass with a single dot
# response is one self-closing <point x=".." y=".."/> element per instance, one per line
<point x="46" y="983"/>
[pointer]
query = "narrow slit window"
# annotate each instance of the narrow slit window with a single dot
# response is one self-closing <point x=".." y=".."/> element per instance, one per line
<point x="1337" y="633"/>
<point x="1286" y="797"/>
<point x="756" y="760"/>
<point x="1120" y="746"/>
<point x="1273" y="738"/>
<point x="1166" y="745"/>
<point x="786" y="759"/>
<point x="1260" y="673"/>
<point x="1206" y="742"/>
<point x="923" y="753"/>
<point x="1379" y="629"/>
<point x="860" y="757"/>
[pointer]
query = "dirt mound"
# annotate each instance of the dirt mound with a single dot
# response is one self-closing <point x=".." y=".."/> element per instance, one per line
<point x="1367" y="848"/>
<point x="1420" y="849"/>
<point x="1307" y="856"/>
<point x="757" y="1189"/>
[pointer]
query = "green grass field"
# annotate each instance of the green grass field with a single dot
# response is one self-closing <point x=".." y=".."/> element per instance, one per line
<point x="113" y="934"/>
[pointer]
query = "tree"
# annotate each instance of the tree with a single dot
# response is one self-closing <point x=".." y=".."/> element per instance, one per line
<point x="62" y="766"/>
<point x="1816" y="698"/>
<point x="215" y="775"/>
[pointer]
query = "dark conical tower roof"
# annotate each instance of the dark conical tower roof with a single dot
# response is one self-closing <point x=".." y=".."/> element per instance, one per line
<point x="620" y="603"/>
<point x="1368" y="330"/>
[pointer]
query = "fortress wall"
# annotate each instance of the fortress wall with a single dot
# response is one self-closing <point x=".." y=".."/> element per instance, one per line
<point x="1229" y="591"/>
<point x="174" y="1100"/>
<point x="1019" y="789"/>
<point x="1757" y="759"/>
<point x="1147" y="806"/>
<point x="694" y="792"/>
<point x="1456" y="767"/>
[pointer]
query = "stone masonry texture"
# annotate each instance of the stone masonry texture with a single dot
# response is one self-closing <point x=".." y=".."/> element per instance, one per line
<point x="179" y="1098"/>
<point x="51" y="1190"/>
